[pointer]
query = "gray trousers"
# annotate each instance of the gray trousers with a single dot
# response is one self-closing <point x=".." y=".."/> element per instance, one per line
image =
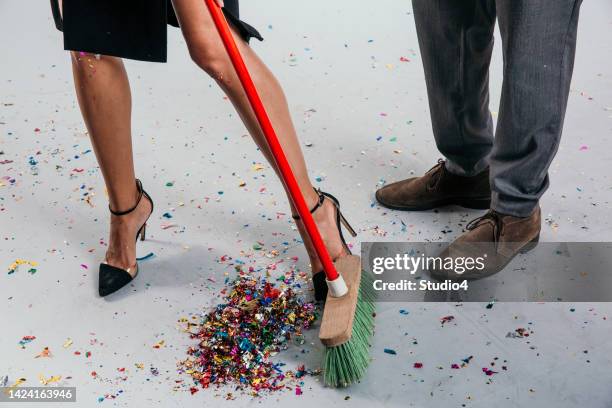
<point x="539" y="43"/>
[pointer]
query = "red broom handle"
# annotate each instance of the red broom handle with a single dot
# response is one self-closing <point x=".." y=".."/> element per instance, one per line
<point x="272" y="139"/>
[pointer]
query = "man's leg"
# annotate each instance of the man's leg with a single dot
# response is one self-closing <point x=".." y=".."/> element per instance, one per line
<point x="539" y="43"/>
<point x="456" y="42"/>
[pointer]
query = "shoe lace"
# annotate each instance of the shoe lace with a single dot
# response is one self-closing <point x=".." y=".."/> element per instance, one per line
<point x="490" y="217"/>
<point x="437" y="172"/>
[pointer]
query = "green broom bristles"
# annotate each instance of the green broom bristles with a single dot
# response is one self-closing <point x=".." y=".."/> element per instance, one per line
<point x="347" y="363"/>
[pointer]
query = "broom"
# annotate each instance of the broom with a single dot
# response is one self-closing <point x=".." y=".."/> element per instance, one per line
<point x="348" y="321"/>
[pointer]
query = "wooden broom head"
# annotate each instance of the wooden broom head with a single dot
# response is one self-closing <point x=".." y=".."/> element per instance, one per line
<point x="339" y="313"/>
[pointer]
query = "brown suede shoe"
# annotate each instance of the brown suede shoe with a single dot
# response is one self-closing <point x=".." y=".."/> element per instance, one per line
<point x="491" y="241"/>
<point x="438" y="187"/>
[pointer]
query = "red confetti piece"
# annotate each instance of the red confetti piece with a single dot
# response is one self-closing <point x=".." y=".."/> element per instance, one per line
<point x="447" y="319"/>
<point x="488" y="371"/>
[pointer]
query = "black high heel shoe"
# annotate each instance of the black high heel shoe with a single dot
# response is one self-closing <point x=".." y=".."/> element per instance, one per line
<point x="318" y="279"/>
<point x="111" y="278"/>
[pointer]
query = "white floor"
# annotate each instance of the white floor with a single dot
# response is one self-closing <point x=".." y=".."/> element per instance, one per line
<point x="347" y="87"/>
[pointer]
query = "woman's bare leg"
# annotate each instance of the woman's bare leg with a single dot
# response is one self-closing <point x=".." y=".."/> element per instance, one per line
<point x="208" y="52"/>
<point x="103" y="92"/>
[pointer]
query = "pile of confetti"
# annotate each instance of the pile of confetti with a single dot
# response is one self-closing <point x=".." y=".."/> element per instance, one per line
<point x="238" y="338"/>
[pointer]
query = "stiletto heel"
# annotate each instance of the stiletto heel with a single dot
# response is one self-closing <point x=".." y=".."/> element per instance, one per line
<point x="111" y="278"/>
<point x="318" y="279"/>
<point x="347" y="225"/>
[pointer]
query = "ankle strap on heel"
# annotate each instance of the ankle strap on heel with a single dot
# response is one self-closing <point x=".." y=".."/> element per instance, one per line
<point x="317" y="205"/>
<point x="140" y="194"/>
<point x="340" y="220"/>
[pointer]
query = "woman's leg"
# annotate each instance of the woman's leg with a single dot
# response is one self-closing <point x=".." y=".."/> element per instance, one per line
<point x="208" y="52"/>
<point x="103" y="92"/>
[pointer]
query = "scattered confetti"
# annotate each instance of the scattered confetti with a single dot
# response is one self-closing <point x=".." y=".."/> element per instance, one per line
<point x="15" y="265"/>
<point x="25" y="340"/>
<point x="446" y="319"/>
<point x="488" y="371"/>
<point x="50" y="380"/>
<point x="45" y="353"/>
<point x="519" y="333"/>
<point x="150" y="255"/>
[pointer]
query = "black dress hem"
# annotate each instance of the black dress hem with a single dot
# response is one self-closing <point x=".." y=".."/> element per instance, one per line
<point x="107" y="28"/>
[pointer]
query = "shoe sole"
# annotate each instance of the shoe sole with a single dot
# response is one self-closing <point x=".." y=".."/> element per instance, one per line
<point x="531" y="245"/>
<point x="472" y="203"/>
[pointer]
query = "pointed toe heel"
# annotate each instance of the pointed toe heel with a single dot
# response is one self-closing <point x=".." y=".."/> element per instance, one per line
<point x="320" y="286"/>
<point x="111" y="278"/>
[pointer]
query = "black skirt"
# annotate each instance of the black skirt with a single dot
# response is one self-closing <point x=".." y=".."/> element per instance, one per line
<point x="133" y="29"/>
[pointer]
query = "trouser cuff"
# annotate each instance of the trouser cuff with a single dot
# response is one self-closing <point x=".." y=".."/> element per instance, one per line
<point x="462" y="171"/>
<point x="513" y="207"/>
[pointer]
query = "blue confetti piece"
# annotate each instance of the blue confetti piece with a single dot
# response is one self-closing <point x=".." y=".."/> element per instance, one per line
<point x="390" y="351"/>
<point x="148" y="256"/>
